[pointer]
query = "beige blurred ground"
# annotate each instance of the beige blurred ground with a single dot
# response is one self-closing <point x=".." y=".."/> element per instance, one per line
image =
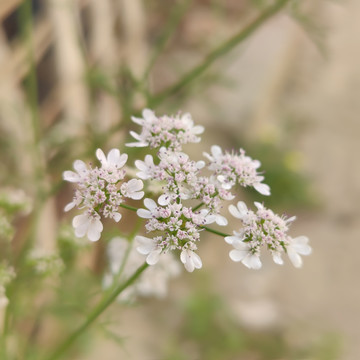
<point x="324" y="295"/>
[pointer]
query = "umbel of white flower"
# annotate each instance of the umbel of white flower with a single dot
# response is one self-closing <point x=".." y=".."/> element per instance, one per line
<point x="263" y="228"/>
<point x="190" y="196"/>
<point x="100" y="191"/>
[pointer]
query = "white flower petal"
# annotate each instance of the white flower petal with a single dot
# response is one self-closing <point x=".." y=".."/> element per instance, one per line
<point x="216" y="151"/>
<point x="137" y="144"/>
<point x="277" y="258"/>
<point x="221" y="220"/>
<point x="231" y="239"/>
<point x="136" y="136"/>
<point x="79" y="166"/>
<point x="262" y="189"/>
<point x="301" y="246"/>
<point x="153" y="257"/>
<point x="80" y="220"/>
<point x="117" y="216"/>
<point x="164" y="199"/>
<point x="150" y="204"/>
<point x="239" y="211"/>
<point x="252" y="262"/>
<point x="101" y="157"/>
<point x="71" y="176"/>
<point x="94" y="230"/>
<point x="69" y="206"/>
<point x="146" y="245"/>
<point x="294" y="257"/>
<point x="145" y="214"/>
<point x="198" y="129"/>
<point x="238" y="255"/>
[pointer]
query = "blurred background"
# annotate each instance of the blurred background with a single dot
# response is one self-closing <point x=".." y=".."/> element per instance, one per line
<point x="286" y="89"/>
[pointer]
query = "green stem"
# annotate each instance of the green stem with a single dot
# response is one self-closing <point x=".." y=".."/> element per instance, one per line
<point x="97" y="311"/>
<point x="214" y="231"/>
<point x="170" y="27"/>
<point x="218" y="52"/>
<point x="197" y="206"/>
<point x="128" y="207"/>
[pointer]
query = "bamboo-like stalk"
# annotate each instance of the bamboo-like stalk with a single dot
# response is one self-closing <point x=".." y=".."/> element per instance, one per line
<point x="16" y="118"/>
<point x="104" y="50"/>
<point x="70" y="65"/>
<point x="134" y="22"/>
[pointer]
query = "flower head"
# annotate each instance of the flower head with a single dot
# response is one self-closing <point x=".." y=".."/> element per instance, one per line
<point x="264" y="228"/>
<point x="180" y="230"/>
<point x="100" y="192"/>
<point x="232" y="168"/>
<point x="169" y="131"/>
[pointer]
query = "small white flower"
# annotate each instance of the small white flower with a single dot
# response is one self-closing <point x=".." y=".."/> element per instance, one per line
<point x="232" y="168"/>
<point x="131" y="189"/>
<point x="148" y="247"/>
<point x="151" y="205"/>
<point x="240" y="211"/>
<point x="296" y="247"/>
<point x="81" y="171"/>
<point x="113" y="160"/>
<point x="85" y="224"/>
<point x="242" y="252"/>
<point x="211" y="218"/>
<point x="146" y="167"/>
<point x="190" y="260"/>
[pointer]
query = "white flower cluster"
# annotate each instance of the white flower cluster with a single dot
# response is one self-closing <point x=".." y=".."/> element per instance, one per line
<point x="177" y="226"/>
<point x="100" y="191"/>
<point x="264" y="228"/>
<point x="236" y="168"/>
<point x="124" y="260"/>
<point x="168" y="131"/>
<point x="192" y="196"/>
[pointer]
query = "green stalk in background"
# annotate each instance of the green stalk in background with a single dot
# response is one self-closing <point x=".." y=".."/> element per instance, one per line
<point x="221" y="50"/>
<point x="169" y="29"/>
<point x="97" y="311"/>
